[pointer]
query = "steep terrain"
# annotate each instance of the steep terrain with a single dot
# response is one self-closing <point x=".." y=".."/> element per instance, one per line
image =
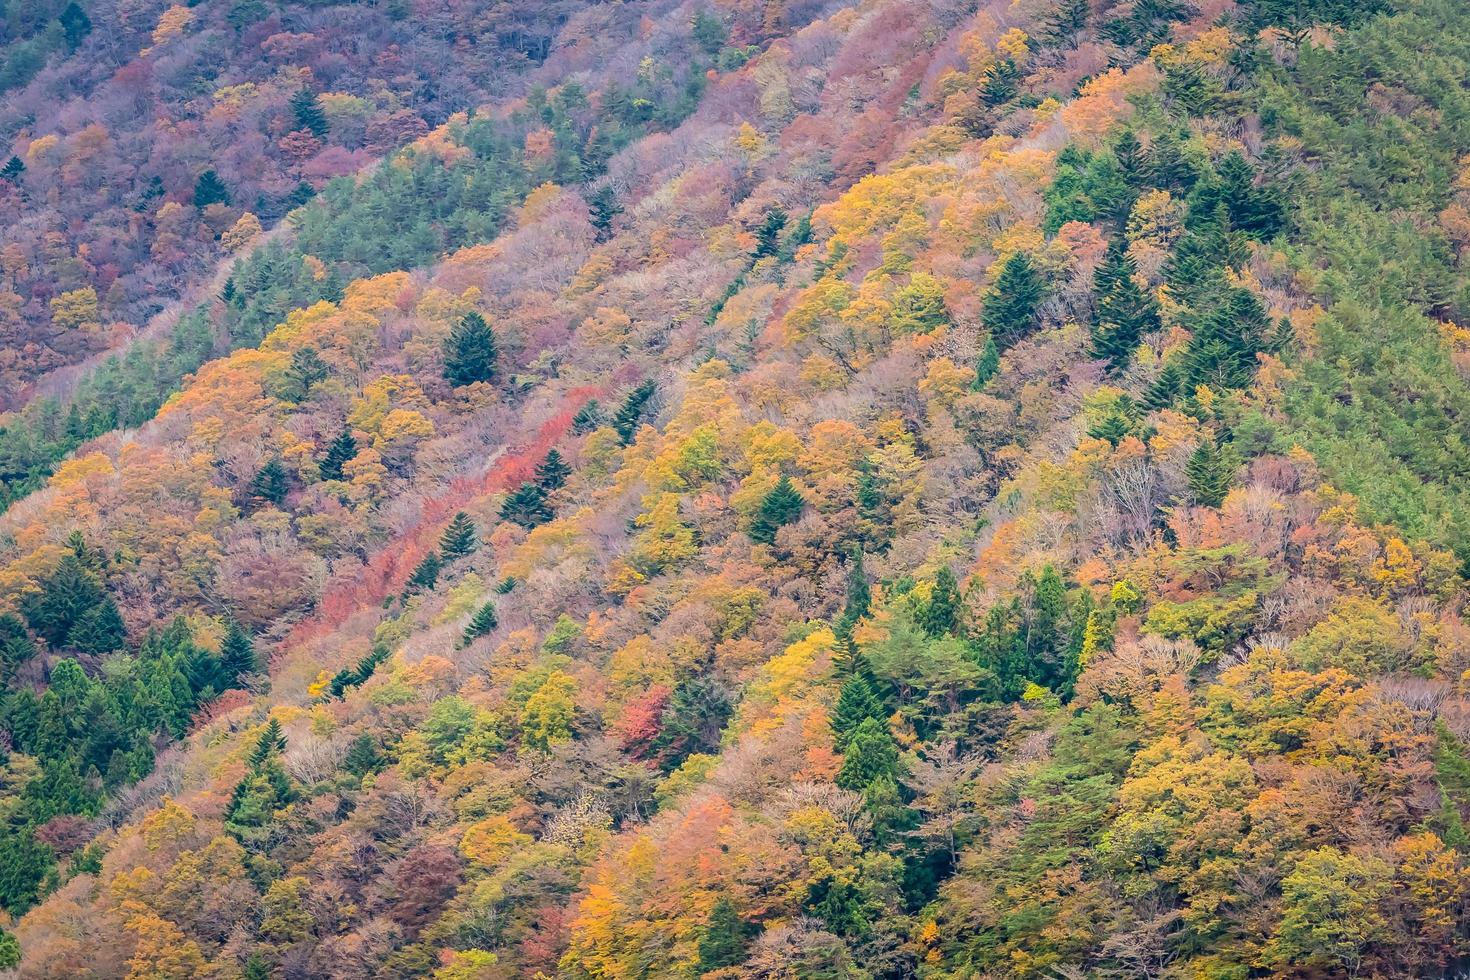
<point x="804" y="490"/>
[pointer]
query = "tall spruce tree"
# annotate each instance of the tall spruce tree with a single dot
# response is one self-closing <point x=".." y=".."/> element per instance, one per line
<point x="308" y="114"/>
<point x="209" y="189"/>
<point x="526" y="506"/>
<point x="270" y="482"/>
<point x="1011" y="311"/>
<point x="552" y="472"/>
<point x="426" y="573"/>
<point x="470" y="352"/>
<point x="781" y="506"/>
<point x="237" y="653"/>
<point x="725" y="940"/>
<point x="1124" y="311"/>
<point x="459" y="537"/>
<point x="342" y="450"/>
<point x="1210" y="472"/>
<point x="631" y="413"/>
<point x="941" y="614"/>
<point x="483" y="621"/>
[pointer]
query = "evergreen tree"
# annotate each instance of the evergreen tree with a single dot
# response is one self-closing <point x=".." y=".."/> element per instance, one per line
<point x="1065" y="26"/>
<point x="16" y="646"/>
<point x="1210" y="471"/>
<point x="768" y="235"/>
<point x="603" y="208"/>
<point x="724" y="941"/>
<point x="588" y="417"/>
<point x="256" y="967"/>
<point x="271" y="742"/>
<point x="859" y="596"/>
<point x="1114" y="427"/>
<point x="270" y="483"/>
<point x="483" y="621"/>
<point x="470" y="352"/>
<point x="628" y="417"/>
<point x="526" y="506"/>
<point x="1165" y="389"/>
<point x="342" y="450"/>
<point x="781" y="506"/>
<point x="99" y="630"/>
<point x="552" y="472"/>
<point x="426" y="574"/>
<point x="459" y="538"/>
<point x="1222" y="352"/>
<point x="1011" y="311"/>
<point x="64" y="598"/>
<point x="306" y="369"/>
<point x="75" y="25"/>
<point x="12" y="170"/>
<point x="209" y="189"/>
<point x="987" y="365"/>
<point x="237" y="653"/>
<point x="856" y="704"/>
<point x="709" y="32"/>
<point x="941" y="614"/>
<point x="307" y="111"/>
<point x="1125" y="311"/>
<point x="1132" y="160"/>
<point x="871" y="754"/>
<point x="362" y="756"/>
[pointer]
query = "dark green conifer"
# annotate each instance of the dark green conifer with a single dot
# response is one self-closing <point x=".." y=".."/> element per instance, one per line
<point x="552" y="472"/>
<point x="627" y="420"/>
<point x="724" y="941"/>
<point x="209" y="189"/>
<point x="270" y="482"/>
<point x="483" y="621"/>
<point x="342" y="450"/>
<point x="459" y="537"/>
<point x="307" y="112"/>
<point x="781" y="506"/>
<point x="470" y="353"/>
<point x="1011" y="311"/>
<point x="426" y="574"/>
<point x="526" y="506"/>
<point x="1210" y="471"/>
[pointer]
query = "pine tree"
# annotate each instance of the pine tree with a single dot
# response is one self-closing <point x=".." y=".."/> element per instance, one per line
<point x="1125" y="311"/>
<point x="987" y="365"/>
<point x="256" y="967"/>
<point x="588" y="417"/>
<point x="308" y="112"/>
<point x="342" y="450"/>
<point x="1210" y="472"/>
<point x="1165" y="389"/>
<point x="552" y="473"/>
<point x="483" y="621"/>
<point x="856" y="704"/>
<point x="1067" y="23"/>
<point x="526" y="506"/>
<point x="459" y="538"/>
<point x="12" y="170"/>
<point x="306" y="369"/>
<point x="871" y="754"/>
<point x="1114" y="427"/>
<point x="724" y="941"/>
<point x="603" y="209"/>
<point x="768" y="235"/>
<point x="859" y="596"/>
<point x="1010" y="312"/>
<point x="626" y="421"/>
<point x="426" y="574"/>
<point x="237" y="653"/>
<point x="99" y="630"/>
<point x="75" y="25"/>
<point x="781" y="506"/>
<point x="1222" y="352"/>
<point x="362" y="756"/>
<point x="64" y="598"/>
<point x="941" y="614"/>
<point x="270" y="483"/>
<point x="1132" y="160"/>
<point x="272" y="741"/>
<point x="209" y="189"/>
<point x="470" y="352"/>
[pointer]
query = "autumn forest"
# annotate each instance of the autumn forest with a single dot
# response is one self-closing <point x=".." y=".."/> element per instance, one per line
<point x="734" y="489"/>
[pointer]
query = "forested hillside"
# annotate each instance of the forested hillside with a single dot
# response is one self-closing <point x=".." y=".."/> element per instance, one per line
<point x="741" y="490"/>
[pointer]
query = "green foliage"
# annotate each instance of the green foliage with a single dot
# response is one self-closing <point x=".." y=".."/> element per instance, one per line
<point x="526" y="506"/>
<point x="987" y="366"/>
<point x="940" y="615"/>
<point x="725" y="940"/>
<point x="781" y="506"/>
<point x="307" y="112"/>
<point x="349" y="677"/>
<point x="271" y="483"/>
<point x="470" y="353"/>
<point x="552" y="472"/>
<point x="237" y="653"/>
<point x="1124" y="311"/>
<point x="460" y="537"/>
<point x="342" y="449"/>
<point x="856" y="704"/>
<point x="871" y="755"/>
<point x="483" y="621"/>
<point x="426" y="573"/>
<point x="630" y="415"/>
<point x="209" y="189"/>
<point x="66" y="596"/>
<point x="768" y="234"/>
<point x="1210" y="472"/>
<point x="1012" y="309"/>
<point x="305" y="370"/>
<point x="588" y="417"/>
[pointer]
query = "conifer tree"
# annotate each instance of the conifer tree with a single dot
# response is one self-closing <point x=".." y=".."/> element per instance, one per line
<point x="941" y="614"/>
<point x="99" y="630"/>
<point x="768" y="235"/>
<point x="209" y="189"/>
<point x="307" y="111"/>
<point x="483" y="621"/>
<point x="426" y="574"/>
<point x="342" y="450"/>
<point x="1011" y="310"/>
<point x="12" y="170"/>
<point x="270" y="482"/>
<point x="782" y="505"/>
<point x="859" y="596"/>
<point x="603" y="208"/>
<point x="1165" y="389"/>
<point x="459" y="537"/>
<point x="306" y="369"/>
<point x="1210" y="472"/>
<point x="588" y="417"/>
<point x="552" y="472"/>
<point x="271" y="741"/>
<point x="237" y="653"/>
<point x="362" y="756"/>
<point x="724" y="941"/>
<point x="64" y="598"/>
<point x="526" y="506"/>
<point x="1114" y="427"/>
<point x="470" y="352"/>
<point x="1125" y="311"/>
<point x="856" y="704"/>
<point x="626" y="421"/>
<point x="987" y="365"/>
<point x="871" y="755"/>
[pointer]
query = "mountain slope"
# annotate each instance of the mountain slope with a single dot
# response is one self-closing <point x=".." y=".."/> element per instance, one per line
<point x="1006" y="520"/>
